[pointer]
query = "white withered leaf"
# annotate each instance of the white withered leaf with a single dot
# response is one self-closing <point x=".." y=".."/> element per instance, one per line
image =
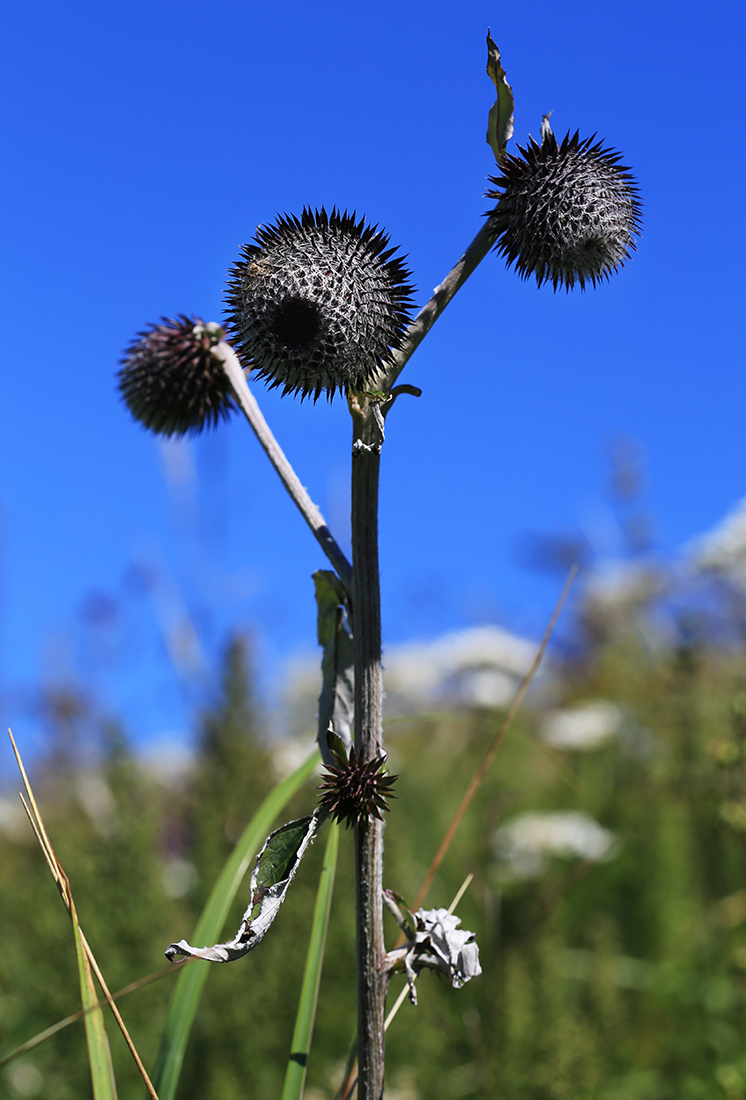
<point x="275" y="869"/>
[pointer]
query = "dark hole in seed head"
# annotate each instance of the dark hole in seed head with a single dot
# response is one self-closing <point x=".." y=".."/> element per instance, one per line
<point x="296" y="322"/>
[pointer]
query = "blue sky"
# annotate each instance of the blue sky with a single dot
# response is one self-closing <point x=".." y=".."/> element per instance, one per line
<point x="145" y="142"/>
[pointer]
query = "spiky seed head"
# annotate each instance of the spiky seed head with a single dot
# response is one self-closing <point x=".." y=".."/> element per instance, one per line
<point x="355" y="792"/>
<point x="566" y="212"/>
<point x="171" y="381"/>
<point x="318" y="303"/>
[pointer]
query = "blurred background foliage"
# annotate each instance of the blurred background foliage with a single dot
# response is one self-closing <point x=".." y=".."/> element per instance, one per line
<point x="612" y="969"/>
<point x="607" y="848"/>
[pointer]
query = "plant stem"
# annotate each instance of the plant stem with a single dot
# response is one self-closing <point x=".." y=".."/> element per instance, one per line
<point x="274" y="452"/>
<point x="441" y="296"/>
<point x="372" y="981"/>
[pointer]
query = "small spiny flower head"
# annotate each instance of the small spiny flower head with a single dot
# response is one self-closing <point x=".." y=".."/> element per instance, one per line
<point x="566" y="212"/>
<point x="171" y="381"/>
<point x="355" y="792"/>
<point x="318" y="303"/>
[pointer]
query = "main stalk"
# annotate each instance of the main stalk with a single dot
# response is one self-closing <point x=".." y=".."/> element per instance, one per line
<point x="366" y="627"/>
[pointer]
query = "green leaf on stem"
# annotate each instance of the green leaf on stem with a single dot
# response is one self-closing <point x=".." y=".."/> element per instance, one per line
<point x="500" y="120"/>
<point x="337" y="699"/>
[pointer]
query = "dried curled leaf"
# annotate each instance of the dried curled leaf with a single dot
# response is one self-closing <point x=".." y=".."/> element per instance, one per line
<point x="337" y="699"/>
<point x="275" y="869"/>
<point x="439" y="944"/>
<point x="500" y="120"/>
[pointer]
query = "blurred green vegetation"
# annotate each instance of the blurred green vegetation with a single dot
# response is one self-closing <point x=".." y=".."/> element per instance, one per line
<point x="616" y="979"/>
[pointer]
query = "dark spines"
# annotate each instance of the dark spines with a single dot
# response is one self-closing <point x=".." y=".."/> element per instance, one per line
<point x="354" y="792"/>
<point x="566" y="212"/>
<point x="170" y="380"/>
<point x="318" y="303"/>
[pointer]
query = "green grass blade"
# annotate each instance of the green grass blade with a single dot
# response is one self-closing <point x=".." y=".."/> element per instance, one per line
<point x="189" y="985"/>
<point x="99" y="1055"/>
<point x="295" y="1074"/>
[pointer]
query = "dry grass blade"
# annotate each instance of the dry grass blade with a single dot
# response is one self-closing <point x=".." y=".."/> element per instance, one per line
<point x="42" y="1036"/>
<point x="118" y="1018"/>
<point x="460" y="892"/>
<point x="94" y="1026"/>
<point x="496" y="742"/>
<point x="347" y="1091"/>
<point x="132" y="988"/>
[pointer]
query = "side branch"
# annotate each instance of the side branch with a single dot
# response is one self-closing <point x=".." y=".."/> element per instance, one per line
<point x="442" y="295"/>
<point x="276" y="456"/>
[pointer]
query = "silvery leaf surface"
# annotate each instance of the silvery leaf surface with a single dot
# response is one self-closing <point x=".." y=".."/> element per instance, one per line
<point x="275" y="869"/>
<point x="454" y="946"/>
<point x="337" y="699"/>
<point x="440" y="944"/>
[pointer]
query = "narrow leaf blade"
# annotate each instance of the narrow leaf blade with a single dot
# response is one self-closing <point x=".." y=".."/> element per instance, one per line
<point x="295" y="1074"/>
<point x="500" y="119"/>
<point x="188" y="990"/>
<point x="337" y="699"/>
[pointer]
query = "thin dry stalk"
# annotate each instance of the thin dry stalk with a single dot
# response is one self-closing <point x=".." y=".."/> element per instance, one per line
<point x="347" y="1090"/>
<point x="63" y="885"/>
<point x="505" y="725"/>
<point x="73" y="1018"/>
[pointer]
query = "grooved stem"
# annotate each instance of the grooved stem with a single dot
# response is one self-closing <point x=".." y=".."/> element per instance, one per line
<point x="372" y="982"/>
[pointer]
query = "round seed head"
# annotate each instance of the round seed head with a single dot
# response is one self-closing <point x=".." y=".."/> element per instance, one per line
<point x="318" y="303"/>
<point x="355" y="792"/>
<point x="566" y="212"/>
<point x="170" y="380"/>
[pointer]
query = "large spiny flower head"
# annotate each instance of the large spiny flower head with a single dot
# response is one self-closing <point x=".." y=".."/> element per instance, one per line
<point x="566" y="212"/>
<point x="318" y="303"/>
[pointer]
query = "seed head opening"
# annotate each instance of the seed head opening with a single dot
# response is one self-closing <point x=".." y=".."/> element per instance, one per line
<point x="170" y="380"/>
<point x="296" y="323"/>
<point x="566" y="212"/>
<point x="318" y="303"/>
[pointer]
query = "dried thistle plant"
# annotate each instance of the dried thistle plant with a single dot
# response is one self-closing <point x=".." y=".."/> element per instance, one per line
<point x="170" y="379"/>
<point x="567" y="212"/>
<point x="318" y="303"/>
